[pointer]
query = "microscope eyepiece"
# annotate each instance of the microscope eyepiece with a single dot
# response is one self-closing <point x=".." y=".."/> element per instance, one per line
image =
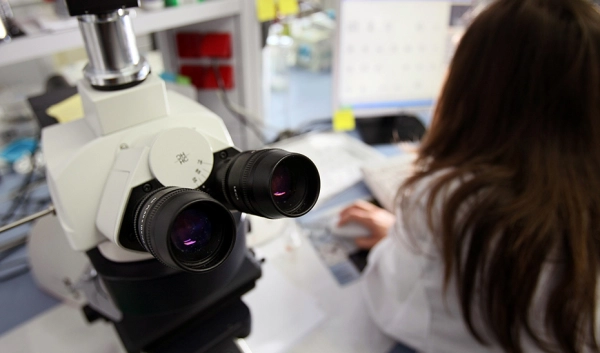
<point x="195" y="230"/>
<point x="271" y="183"/>
<point x="185" y="228"/>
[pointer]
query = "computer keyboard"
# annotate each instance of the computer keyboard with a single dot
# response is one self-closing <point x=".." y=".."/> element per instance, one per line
<point x="384" y="178"/>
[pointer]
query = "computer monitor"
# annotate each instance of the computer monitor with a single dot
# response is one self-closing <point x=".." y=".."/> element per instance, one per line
<point x="391" y="56"/>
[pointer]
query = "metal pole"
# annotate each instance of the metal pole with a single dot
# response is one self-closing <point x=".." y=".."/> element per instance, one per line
<point x="27" y="219"/>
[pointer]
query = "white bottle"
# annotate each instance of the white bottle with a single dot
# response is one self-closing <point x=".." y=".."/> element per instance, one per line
<point x="152" y="5"/>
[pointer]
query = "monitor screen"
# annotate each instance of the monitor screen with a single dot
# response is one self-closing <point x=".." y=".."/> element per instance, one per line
<point x="392" y="55"/>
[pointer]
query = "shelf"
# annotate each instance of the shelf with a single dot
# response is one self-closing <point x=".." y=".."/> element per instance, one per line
<point x="42" y="44"/>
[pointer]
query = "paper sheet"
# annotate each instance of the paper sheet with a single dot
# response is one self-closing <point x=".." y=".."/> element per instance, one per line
<point x="68" y="110"/>
<point x="335" y="252"/>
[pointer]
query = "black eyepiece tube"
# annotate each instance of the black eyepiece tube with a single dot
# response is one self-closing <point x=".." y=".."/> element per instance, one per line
<point x="271" y="183"/>
<point x="185" y="229"/>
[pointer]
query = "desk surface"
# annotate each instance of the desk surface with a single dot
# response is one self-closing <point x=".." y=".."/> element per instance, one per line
<point x="337" y="320"/>
<point x="346" y="326"/>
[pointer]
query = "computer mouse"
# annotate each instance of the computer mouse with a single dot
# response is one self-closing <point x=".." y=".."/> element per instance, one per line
<point x="348" y="230"/>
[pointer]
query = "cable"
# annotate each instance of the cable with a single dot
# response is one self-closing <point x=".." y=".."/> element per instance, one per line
<point x="12" y="244"/>
<point x="319" y="125"/>
<point x="19" y="199"/>
<point x="8" y="265"/>
<point x="32" y="186"/>
<point x="12" y="268"/>
<point x="243" y="135"/>
<point x="6" y="253"/>
<point x="14" y="271"/>
<point x="312" y="125"/>
<point x="22" y="199"/>
<point x="39" y="203"/>
<point x="242" y="118"/>
<point x="254" y="124"/>
<point x="255" y="120"/>
<point x="222" y="94"/>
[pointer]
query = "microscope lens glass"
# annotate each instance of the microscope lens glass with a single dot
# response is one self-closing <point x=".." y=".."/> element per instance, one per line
<point x="185" y="228"/>
<point x="282" y="184"/>
<point x="191" y="230"/>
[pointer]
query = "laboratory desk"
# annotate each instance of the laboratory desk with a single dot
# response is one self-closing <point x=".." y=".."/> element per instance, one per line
<point x="297" y="306"/>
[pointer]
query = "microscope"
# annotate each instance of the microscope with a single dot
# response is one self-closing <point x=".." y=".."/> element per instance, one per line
<point x="150" y="186"/>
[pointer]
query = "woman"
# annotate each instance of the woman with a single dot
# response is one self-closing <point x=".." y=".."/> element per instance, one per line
<point x="496" y="247"/>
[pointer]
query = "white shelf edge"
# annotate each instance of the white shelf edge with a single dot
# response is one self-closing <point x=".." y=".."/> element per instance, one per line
<point x="35" y="46"/>
<point x="147" y="22"/>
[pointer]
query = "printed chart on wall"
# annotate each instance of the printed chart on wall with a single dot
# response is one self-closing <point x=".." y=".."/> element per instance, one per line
<point x="394" y="53"/>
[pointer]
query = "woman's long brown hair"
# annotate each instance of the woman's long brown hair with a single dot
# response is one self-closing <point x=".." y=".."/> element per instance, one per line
<point x="518" y="123"/>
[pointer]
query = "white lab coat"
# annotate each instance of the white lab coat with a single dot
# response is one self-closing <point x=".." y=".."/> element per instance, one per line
<point x="403" y="290"/>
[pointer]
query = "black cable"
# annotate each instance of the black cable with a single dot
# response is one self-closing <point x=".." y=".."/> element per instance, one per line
<point x="39" y="203"/>
<point x="8" y="265"/>
<point x="19" y="199"/>
<point x="318" y="125"/>
<point x="245" y="121"/>
<point x="6" y="253"/>
<point x="23" y="199"/>
<point x="15" y="271"/>
<point x="312" y="125"/>
<point x="13" y="268"/>
<point x="243" y="135"/>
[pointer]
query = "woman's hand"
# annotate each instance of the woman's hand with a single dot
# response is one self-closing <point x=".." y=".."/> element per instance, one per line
<point x="377" y="220"/>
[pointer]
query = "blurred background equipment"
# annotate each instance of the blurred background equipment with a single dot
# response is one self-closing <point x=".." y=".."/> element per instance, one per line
<point x="392" y="55"/>
<point x="8" y="28"/>
<point x="5" y="13"/>
<point x="390" y="61"/>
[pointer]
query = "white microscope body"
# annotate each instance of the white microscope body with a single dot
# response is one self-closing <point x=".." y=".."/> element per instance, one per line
<point x="127" y="138"/>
